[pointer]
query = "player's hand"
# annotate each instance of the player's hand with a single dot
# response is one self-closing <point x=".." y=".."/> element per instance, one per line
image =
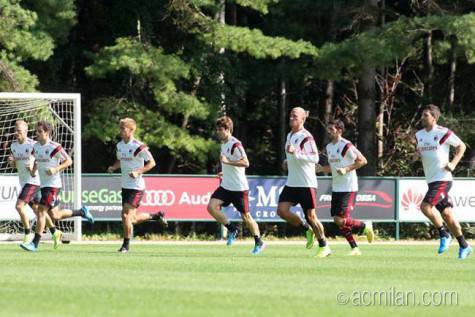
<point x="224" y="159"/>
<point x="10" y="158"/>
<point x="342" y="171"/>
<point x="285" y="167"/>
<point x="134" y="174"/>
<point x="290" y="149"/>
<point x="32" y="172"/>
<point x="219" y="175"/>
<point x="51" y="171"/>
<point x="110" y="169"/>
<point x="450" y="167"/>
<point x="318" y="168"/>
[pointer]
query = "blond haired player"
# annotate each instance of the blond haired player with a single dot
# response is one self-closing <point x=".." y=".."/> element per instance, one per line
<point x="134" y="159"/>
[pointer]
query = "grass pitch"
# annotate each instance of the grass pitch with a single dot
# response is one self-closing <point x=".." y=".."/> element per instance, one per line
<point x="215" y="280"/>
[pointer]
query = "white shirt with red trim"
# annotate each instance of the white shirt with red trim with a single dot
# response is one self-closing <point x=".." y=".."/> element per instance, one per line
<point x="301" y="163"/>
<point x="48" y="155"/>
<point x="342" y="154"/>
<point x="23" y="155"/>
<point x="234" y="177"/>
<point x="132" y="156"/>
<point x="434" y="149"/>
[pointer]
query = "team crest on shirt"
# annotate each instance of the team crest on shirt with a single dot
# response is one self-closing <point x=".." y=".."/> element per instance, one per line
<point x="130" y="151"/>
<point x="436" y="138"/>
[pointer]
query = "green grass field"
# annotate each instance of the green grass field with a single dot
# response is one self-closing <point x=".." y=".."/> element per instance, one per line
<point x="215" y="280"/>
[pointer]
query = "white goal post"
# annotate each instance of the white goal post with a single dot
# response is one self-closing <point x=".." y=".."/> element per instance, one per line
<point x="63" y="110"/>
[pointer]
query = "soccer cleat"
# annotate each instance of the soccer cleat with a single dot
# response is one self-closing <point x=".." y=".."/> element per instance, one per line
<point x="27" y="238"/>
<point x="57" y="235"/>
<point x="310" y="238"/>
<point x="123" y="249"/>
<point x="87" y="214"/>
<point x="323" y="252"/>
<point x="232" y="235"/>
<point x="29" y="247"/>
<point x="258" y="248"/>
<point x="368" y="231"/>
<point x="465" y="252"/>
<point x="160" y="218"/>
<point x="355" y="251"/>
<point x="444" y="244"/>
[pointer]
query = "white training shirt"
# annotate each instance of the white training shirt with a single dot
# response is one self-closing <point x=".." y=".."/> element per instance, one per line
<point x="234" y="177"/>
<point x="434" y="148"/>
<point x="132" y="156"/>
<point x="342" y="154"/>
<point x="301" y="163"/>
<point x="23" y="155"/>
<point x="48" y="155"/>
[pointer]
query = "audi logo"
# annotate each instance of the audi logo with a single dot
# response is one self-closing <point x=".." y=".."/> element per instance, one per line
<point x="158" y="198"/>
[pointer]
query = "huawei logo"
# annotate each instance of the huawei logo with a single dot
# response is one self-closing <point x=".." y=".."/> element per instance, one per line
<point x="411" y="199"/>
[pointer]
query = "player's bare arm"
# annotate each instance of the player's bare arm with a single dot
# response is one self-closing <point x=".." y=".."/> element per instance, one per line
<point x="459" y="151"/>
<point x="147" y="167"/>
<point x="359" y="162"/>
<point x="61" y="167"/>
<point x="244" y="162"/>
<point x="114" y="167"/>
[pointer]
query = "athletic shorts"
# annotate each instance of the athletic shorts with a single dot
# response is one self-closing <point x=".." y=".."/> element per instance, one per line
<point x="239" y="199"/>
<point x="50" y="197"/>
<point x="132" y="197"/>
<point x="305" y="196"/>
<point x="438" y="195"/>
<point x="30" y="194"/>
<point x="343" y="203"/>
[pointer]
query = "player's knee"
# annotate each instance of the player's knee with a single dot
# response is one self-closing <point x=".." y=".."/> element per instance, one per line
<point x="310" y="216"/>
<point x="425" y="207"/>
<point x="338" y="221"/>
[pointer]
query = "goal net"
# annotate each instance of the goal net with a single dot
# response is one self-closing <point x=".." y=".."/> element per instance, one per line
<point x="64" y="112"/>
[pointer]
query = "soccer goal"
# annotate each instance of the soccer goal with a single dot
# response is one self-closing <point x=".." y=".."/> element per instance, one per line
<point x="64" y="112"/>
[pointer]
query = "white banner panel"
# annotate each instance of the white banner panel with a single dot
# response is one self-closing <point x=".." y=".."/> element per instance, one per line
<point x="9" y="191"/>
<point x="412" y="192"/>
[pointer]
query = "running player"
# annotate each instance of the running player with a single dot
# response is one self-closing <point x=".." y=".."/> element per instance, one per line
<point x="344" y="159"/>
<point x="50" y="160"/>
<point x="22" y="158"/>
<point x="301" y="186"/>
<point x="433" y="146"/>
<point x="234" y="187"/>
<point x="133" y="159"/>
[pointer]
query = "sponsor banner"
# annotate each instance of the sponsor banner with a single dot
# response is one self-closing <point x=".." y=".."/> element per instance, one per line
<point x="412" y="192"/>
<point x="375" y="199"/>
<point x="186" y="198"/>
<point x="9" y="191"/>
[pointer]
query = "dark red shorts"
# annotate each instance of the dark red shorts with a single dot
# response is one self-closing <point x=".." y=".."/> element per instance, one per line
<point x="438" y="195"/>
<point x="50" y="196"/>
<point x="132" y="197"/>
<point x="30" y="194"/>
<point x="239" y="199"/>
<point x="343" y="203"/>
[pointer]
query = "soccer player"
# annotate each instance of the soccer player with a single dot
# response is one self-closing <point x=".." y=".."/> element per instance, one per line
<point x="433" y="146"/>
<point x="234" y="187"/>
<point x="22" y="158"/>
<point x="344" y="159"/>
<point x="133" y="159"/>
<point x="50" y="160"/>
<point x="301" y="186"/>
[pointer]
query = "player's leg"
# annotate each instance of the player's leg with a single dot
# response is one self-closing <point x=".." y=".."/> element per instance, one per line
<point x="128" y="218"/>
<point x="220" y="198"/>
<point x="283" y="210"/>
<point x="454" y="226"/>
<point x="434" y="195"/>
<point x="319" y="231"/>
<point x="40" y="227"/>
<point x="20" y="207"/>
<point x="241" y="203"/>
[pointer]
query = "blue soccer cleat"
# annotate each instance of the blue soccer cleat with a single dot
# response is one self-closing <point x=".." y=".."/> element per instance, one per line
<point x="465" y="252"/>
<point x="87" y="214"/>
<point x="444" y="244"/>
<point x="232" y="235"/>
<point x="258" y="248"/>
<point x="29" y="247"/>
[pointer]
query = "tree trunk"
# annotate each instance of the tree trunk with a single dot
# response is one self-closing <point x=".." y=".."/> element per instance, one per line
<point x="366" y="105"/>
<point x="428" y="66"/>
<point x="221" y="17"/>
<point x="453" y="68"/>
<point x="282" y="120"/>
<point x="382" y="101"/>
<point x="325" y="113"/>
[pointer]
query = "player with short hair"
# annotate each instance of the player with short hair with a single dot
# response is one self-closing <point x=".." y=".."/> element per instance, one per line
<point x="433" y="146"/>
<point x="134" y="159"/>
<point x="344" y="159"/>
<point x="22" y="159"/>
<point x="301" y="186"/>
<point x="50" y="160"/>
<point x="234" y="188"/>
